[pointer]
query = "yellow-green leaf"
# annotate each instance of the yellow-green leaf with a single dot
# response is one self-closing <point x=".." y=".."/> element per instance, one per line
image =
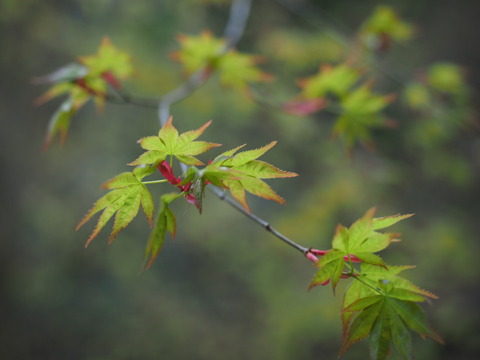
<point x="199" y="51"/>
<point x="127" y="194"/>
<point x="59" y="123"/>
<point x="108" y="59"/>
<point x="170" y="143"/>
<point x="165" y="221"/>
<point x="237" y="70"/>
<point x="337" y="80"/>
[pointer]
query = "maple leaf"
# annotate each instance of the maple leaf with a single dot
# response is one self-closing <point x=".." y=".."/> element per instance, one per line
<point x="398" y="292"/>
<point x="237" y="70"/>
<point x="386" y="320"/>
<point x="165" y="221"/>
<point x="108" y="60"/>
<point x="360" y="111"/>
<point x="170" y="143"/>
<point x="248" y="172"/>
<point x="207" y="52"/>
<point x="88" y="78"/>
<point x="81" y="82"/>
<point x="384" y="26"/>
<point x="331" y="267"/>
<point x="330" y="79"/>
<point x="127" y="194"/>
<point x="59" y="123"/>
<point x="360" y="242"/>
<point x="197" y="52"/>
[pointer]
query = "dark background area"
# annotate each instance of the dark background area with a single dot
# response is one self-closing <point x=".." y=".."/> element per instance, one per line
<point x="225" y="289"/>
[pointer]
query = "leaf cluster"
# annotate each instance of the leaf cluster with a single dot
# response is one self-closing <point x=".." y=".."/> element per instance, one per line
<point x="379" y="303"/>
<point x="238" y="172"/>
<point x="207" y="53"/>
<point x="88" y="78"/>
<point x="344" y="89"/>
<point x="383" y="27"/>
<point x="358" y="107"/>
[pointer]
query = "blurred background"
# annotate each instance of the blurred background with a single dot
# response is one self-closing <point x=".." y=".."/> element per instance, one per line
<point x="226" y="288"/>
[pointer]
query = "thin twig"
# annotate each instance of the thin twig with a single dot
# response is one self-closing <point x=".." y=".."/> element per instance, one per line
<point x="122" y="96"/>
<point x="223" y="196"/>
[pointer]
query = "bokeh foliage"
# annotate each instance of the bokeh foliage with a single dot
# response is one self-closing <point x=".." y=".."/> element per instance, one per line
<point x="230" y="290"/>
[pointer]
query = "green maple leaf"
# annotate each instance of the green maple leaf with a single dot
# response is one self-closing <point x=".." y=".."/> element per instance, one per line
<point x="386" y="320"/>
<point x="60" y="122"/>
<point x="237" y="70"/>
<point x="360" y="242"/>
<point x="336" y="80"/>
<point x="170" y="143"/>
<point x="82" y="82"/>
<point x="248" y="173"/>
<point x="361" y="110"/>
<point x="331" y="267"/>
<point x="384" y="22"/>
<point x="198" y="51"/>
<point x="393" y="284"/>
<point x="362" y="238"/>
<point x="385" y="279"/>
<point x="206" y="51"/>
<point x="108" y="59"/>
<point x="90" y="77"/>
<point x="127" y="195"/>
<point x="165" y="221"/>
<point x="397" y="312"/>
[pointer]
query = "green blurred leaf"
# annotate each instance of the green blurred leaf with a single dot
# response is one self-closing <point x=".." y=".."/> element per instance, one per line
<point x="60" y="122"/>
<point x="336" y="80"/>
<point x="199" y="51"/>
<point x="385" y="22"/>
<point x="361" y="110"/>
<point x="108" y="59"/>
<point x="445" y="77"/>
<point x="237" y="70"/>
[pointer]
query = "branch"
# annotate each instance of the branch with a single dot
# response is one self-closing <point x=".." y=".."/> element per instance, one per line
<point x="122" y="96"/>
<point x="234" y="29"/>
<point x="222" y="195"/>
